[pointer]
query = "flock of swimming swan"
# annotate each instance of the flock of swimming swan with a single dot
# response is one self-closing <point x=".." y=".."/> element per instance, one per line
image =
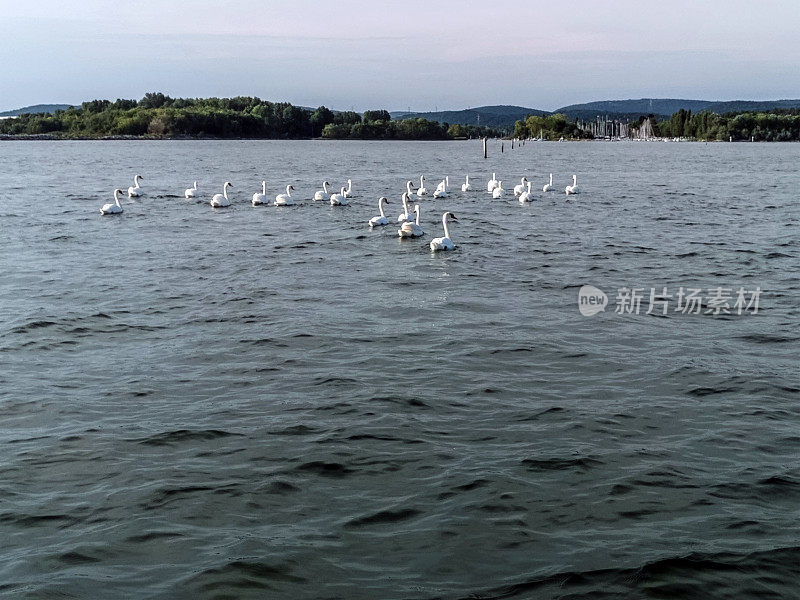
<point x="408" y="220"/>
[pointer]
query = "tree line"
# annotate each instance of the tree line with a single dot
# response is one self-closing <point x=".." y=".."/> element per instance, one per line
<point x="549" y="127"/>
<point x="158" y="115"/>
<point x="778" y="125"/>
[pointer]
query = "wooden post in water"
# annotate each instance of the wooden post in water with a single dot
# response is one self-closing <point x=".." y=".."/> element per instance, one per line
<point x="484" y="147"/>
<point x="512" y="143"/>
<point x="502" y="147"/>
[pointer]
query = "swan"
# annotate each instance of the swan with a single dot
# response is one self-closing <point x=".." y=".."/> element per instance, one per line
<point x="498" y="192"/>
<point x="191" y="192"/>
<point x="444" y="243"/>
<point x="548" y="187"/>
<point x="410" y="188"/>
<point x="339" y="199"/>
<point x="381" y="220"/>
<point x="136" y="191"/>
<point x="411" y="229"/>
<point x="285" y="199"/>
<point x="349" y="192"/>
<point x="441" y="191"/>
<point x="492" y="183"/>
<point x="221" y="200"/>
<point x="405" y="215"/>
<point x="526" y="196"/>
<point x="323" y="193"/>
<point x="466" y="187"/>
<point x="447" y="183"/>
<point x="112" y="208"/>
<point x="519" y="188"/>
<point x="422" y="191"/>
<point x="261" y="199"/>
<point x="573" y="189"/>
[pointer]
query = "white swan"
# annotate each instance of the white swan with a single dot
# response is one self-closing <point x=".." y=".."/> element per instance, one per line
<point x="285" y="199"/>
<point x="261" y="199"/>
<point x="112" y="208"/>
<point x="520" y="187"/>
<point x="422" y="191"/>
<point x="441" y="191"/>
<point x="349" y="191"/>
<point x="410" y="188"/>
<point x="136" y="191"/>
<point x="381" y="220"/>
<point x="405" y="215"/>
<point x="492" y="183"/>
<point x="323" y="193"/>
<point x="221" y="200"/>
<point x="339" y="199"/>
<point x="526" y="196"/>
<point x="191" y="192"/>
<point x="411" y="229"/>
<point x="498" y="192"/>
<point x="444" y="243"/>
<point x="548" y="187"/>
<point x="573" y="189"/>
<point x="466" y="187"/>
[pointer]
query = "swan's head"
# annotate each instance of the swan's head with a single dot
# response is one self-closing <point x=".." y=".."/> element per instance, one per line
<point x="383" y="200"/>
<point x="450" y="217"/>
<point x="228" y="184"/>
<point x="416" y="208"/>
<point x="325" y="183"/>
<point x="139" y="177"/>
<point x="291" y="187"/>
<point x="118" y="192"/>
<point x="524" y="180"/>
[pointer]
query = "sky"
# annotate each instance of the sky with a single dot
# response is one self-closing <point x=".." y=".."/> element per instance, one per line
<point x="414" y="54"/>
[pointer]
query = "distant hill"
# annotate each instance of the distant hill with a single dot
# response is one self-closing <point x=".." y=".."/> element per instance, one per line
<point x="665" y="107"/>
<point x="485" y="116"/>
<point x="36" y="108"/>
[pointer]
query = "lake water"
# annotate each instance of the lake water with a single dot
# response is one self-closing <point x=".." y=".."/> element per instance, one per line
<point x="281" y="403"/>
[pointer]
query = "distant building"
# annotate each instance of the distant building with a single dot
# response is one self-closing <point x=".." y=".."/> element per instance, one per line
<point x="605" y="128"/>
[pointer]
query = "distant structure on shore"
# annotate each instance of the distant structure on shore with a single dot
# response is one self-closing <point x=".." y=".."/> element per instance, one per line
<point x="605" y="128"/>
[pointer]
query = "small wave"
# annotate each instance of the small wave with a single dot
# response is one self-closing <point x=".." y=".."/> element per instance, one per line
<point x="384" y="516"/>
<point x="324" y="469"/>
<point x="558" y="464"/>
<point x="183" y="435"/>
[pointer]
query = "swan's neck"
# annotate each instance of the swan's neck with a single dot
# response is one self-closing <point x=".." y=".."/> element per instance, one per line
<point x="551" y="179"/>
<point x="116" y="197"/>
<point x="349" y="186"/>
<point x="408" y="187"/>
<point x="529" y="187"/>
<point x="264" y="187"/>
<point x="574" y="179"/>
<point x="444" y="222"/>
<point x="195" y="185"/>
<point x="380" y="207"/>
<point x="467" y="179"/>
<point x="447" y="180"/>
<point x="136" y="181"/>
<point x="225" y="191"/>
<point x="416" y="210"/>
<point x="325" y="186"/>
<point x="422" y="181"/>
<point x="494" y="176"/>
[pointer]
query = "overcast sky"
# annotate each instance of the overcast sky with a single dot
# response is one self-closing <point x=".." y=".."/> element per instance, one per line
<point x="423" y="55"/>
